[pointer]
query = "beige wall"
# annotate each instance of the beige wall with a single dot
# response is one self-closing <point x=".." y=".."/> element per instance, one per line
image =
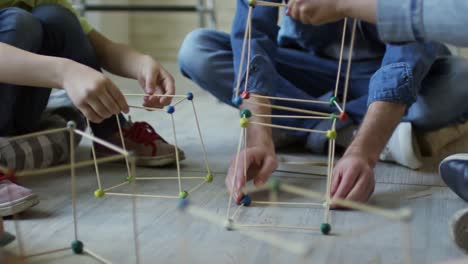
<point x="160" y="34"/>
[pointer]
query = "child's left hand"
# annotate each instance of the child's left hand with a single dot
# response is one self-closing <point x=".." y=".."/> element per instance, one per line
<point x="154" y="79"/>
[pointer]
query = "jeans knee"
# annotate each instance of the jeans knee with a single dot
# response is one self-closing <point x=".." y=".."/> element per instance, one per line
<point x="24" y="31"/>
<point x="195" y="58"/>
<point x="57" y="18"/>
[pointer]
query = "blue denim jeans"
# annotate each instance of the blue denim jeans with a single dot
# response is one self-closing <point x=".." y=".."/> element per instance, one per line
<point x="47" y="30"/>
<point x="206" y="58"/>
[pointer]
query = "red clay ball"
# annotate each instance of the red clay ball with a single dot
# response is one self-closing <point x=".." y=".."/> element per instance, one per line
<point x="343" y="116"/>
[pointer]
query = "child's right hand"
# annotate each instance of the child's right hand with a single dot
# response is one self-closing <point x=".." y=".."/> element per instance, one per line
<point x="93" y="94"/>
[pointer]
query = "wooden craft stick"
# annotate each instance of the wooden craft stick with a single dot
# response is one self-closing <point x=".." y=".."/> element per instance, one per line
<point x="278" y="226"/>
<point x="156" y="95"/>
<point x="147" y="108"/>
<point x="143" y="195"/>
<point x="197" y="187"/>
<point x="255" y="189"/>
<point x="390" y="214"/>
<point x="168" y="178"/>
<point x="270" y="4"/>
<point x="340" y="61"/>
<point x="136" y="243"/>
<point x="40" y="133"/>
<point x="293" y="247"/>
<point x="288" y="203"/>
<point x="47" y="252"/>
<point x="96" y="166"/>
<point x="202" y="142"/>
<point x="289" y="99"/>
<point x="291" y="109"/>
<point x="236" y="168"/>
<point x="299" y="191"/>
<point x="96" y="256"/>
<point x="116" y="186"/>
<point x="180" y="101"/>
<point x="101" y="142"/>
<point x="237" y="211"/>
<point x="307" y="163"/>
<point x="176" y="149"/>
<point x="73" y="182"/>
<point x="249" y="44"/>
<point x="338" y="106"/>
<point x="399" y="215"/>
<point x="288" y="128"/>
<point x="68" y="166"/>
<point x="350" y="59"/>
<point x="293" y="116"/>
<point x="124" y="146"/>
<point x="244" y="44"/>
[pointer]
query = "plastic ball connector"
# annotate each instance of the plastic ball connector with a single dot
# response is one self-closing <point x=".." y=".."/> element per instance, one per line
<point x="209" y="178"/>
<point x="331" y="134"/>
<point x="252" y="3"/>
<point x="170" y="109"/>
<point x="245" y="95"/>
<point x="246" y="200"/>
<point x="246" y="113"/>
<point x="189" y="96"/>
<point x="77" y="247"/>
<point x="183" y="194"/>
<point x="325" y="228"/>
<point x="99" y="193"/>
<point x="237" y="101"/>
<point x="244" y="122"/>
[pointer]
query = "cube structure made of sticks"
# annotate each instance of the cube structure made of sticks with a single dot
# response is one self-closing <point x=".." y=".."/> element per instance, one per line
<point x="182" y="192"/>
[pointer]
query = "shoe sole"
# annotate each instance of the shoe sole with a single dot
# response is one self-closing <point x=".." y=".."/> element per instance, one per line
<point x="462" y="156"/>
<point x="159" y="161"/>
<point x="19" y="206"/>
<point x="458" y="227"/>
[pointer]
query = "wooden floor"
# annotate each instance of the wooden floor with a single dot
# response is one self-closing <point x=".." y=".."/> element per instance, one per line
<point x="169" y="236"/>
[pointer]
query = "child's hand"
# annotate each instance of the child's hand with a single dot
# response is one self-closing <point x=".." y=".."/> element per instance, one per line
<point x="315" y="11"/>
<point x="94" y="94"/>
<point x="154" y="79"/>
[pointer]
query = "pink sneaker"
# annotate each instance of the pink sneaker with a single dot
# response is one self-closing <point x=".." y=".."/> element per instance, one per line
<point x="15" y="199"/>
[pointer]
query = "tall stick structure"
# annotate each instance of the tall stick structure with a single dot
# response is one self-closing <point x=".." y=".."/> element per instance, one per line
<point x="321" y="200"/>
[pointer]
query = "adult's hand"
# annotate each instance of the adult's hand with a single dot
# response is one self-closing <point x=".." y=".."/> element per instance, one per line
<point x="353" y="179"/>
<point x="315" y="12"/>
<point x="258" y="161"/>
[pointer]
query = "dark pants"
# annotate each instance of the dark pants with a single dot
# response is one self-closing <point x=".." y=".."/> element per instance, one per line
<point x="47" y="30"/>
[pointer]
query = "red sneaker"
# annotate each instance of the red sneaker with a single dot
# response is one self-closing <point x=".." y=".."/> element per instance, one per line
<point x="150" y="148"/>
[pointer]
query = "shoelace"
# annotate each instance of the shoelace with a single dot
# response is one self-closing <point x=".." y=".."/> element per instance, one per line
<point x="11" y="178"/>
<point x="143" y="133"/>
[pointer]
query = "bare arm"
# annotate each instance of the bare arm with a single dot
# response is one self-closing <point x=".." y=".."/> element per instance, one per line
<point x="90" y="91"/>
<point x="23" y="68"/>
<point x="124" y="61"/>
<point x="353" y="176"/>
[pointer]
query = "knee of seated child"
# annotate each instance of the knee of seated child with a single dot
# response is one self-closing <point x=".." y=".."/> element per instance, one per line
<point x="27" y="29"/>
<point x="57" y="17"/>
